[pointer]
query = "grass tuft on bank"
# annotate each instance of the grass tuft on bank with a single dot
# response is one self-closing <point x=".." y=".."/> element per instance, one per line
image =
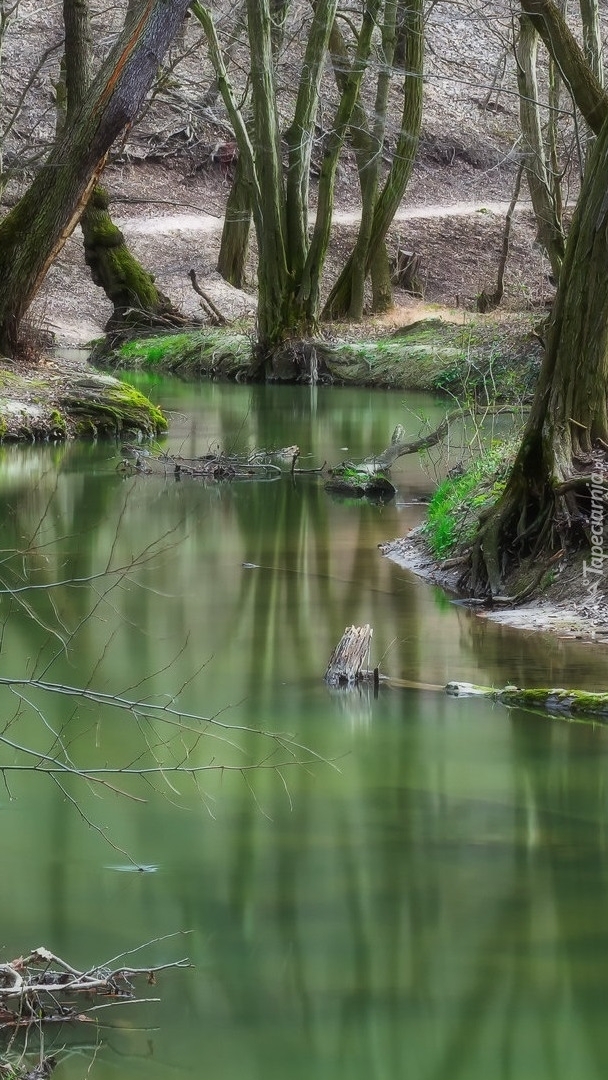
<point x="455" y="507"/>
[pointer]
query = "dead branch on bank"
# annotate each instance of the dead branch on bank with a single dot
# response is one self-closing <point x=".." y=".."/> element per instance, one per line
<point x="212" y="312"/>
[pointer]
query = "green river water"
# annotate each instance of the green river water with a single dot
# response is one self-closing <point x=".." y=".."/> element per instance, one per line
<point x="427" y="898"/>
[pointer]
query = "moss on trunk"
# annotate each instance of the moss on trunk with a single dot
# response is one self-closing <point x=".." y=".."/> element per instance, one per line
<point x="136" y="299"/>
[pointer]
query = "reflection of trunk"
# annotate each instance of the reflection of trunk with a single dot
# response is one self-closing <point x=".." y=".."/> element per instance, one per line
<point x="549" y="231"/>
<point x="539" y="509"/>
<point x="386" y="205"/>
<point x="128" y="286"/>
<point x="33" y="233"/>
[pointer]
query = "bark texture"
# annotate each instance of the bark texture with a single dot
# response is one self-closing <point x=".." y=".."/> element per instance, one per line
<point x="545" y="504"/>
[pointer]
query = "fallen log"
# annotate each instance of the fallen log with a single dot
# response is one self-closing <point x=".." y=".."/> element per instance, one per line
<point x="556" y="701"/>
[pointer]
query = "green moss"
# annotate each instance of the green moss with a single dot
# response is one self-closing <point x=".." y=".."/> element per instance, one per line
<point x="455" y="507"/>
<point x="105" y="234"/>
<point x="59" y="424"/>
<point x="111" y="409"/>
<point x="206" y="352"/>
<point x="567" y="702"/>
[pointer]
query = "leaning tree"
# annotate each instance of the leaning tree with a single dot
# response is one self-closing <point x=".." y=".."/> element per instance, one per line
<point x="33" y="233"/>
<point x="131" y="289"/>
<point x="545" y="505"/>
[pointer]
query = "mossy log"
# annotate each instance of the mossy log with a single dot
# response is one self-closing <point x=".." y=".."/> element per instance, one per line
<point x="64" y="400"/>
<point x="358" y="485"/>
<point x="556" y="701"/>
<point x="99" y="406"/>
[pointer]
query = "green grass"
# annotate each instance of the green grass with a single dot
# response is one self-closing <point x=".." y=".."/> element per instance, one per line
<point x="455" y="507"/>
<point x="198" y="353"/>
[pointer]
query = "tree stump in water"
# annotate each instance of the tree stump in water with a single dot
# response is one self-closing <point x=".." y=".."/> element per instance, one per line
<point x="346" y="664"/>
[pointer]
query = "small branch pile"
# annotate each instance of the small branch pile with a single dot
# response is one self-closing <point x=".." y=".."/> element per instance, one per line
<point x="41" y="988"/>
<point x="212" y="467"/>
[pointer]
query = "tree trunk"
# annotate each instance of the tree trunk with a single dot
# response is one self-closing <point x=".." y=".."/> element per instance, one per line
<point x="234" y="245"/>
<point x="34" y="232"/>
<point x="269" y="207"/>
<point x="339" y="300"/>
<point x="136" y="300"/>
<point x="592" y="37"/>
<point x="545" y="502"/>
<point x="300" y="139"/>
<point x="348" y="115"/>
<point x="548" y="227"/>
<point x="587" y="91"/>
<point x="369" y="162"/>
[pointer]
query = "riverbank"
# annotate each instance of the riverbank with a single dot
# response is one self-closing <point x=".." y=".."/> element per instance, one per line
<point x="55" y="399"/>
<point x="562" y="604"/>
<point x="479" y="359"/>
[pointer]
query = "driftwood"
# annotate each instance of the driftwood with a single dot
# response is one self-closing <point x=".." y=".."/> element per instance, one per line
<point x="212" y="467"/>
<point x="346" y="664"/>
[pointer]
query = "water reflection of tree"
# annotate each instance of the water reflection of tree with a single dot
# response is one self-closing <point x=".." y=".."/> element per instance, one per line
<point x="394" y="923"/>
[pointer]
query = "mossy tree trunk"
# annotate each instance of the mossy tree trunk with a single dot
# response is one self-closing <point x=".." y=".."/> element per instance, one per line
<point x="545" y="504"/>
<point x="340" y="300"/>
<point x="137" y="301"/>
<point x="34" y="232"/>
<point x="131" y="289"/>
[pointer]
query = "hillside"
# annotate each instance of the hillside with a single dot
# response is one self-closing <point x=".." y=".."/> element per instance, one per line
<point x="468" y="154"/>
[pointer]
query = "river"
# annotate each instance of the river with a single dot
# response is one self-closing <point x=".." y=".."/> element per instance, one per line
<point x="407" y="885"/>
